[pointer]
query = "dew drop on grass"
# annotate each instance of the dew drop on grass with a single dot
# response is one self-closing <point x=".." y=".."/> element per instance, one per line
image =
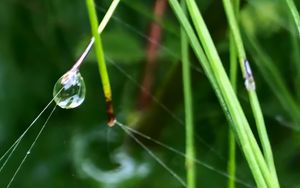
<point x="69" y="90"/>
<point x="249" y="80"/>
<point x="250" y="83"/>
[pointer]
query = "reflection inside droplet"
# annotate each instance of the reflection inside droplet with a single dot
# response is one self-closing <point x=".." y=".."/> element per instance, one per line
<point x="69" y="90"/>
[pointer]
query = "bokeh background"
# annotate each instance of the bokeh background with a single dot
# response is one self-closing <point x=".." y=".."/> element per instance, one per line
<point x="40" y="41"/>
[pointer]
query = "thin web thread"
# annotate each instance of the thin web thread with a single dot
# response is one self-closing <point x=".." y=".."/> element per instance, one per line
<point x="164" y="107"/>
<point x="176" y="176"/>
<point x="30" y="148"/>
<point x="14" y="146"/>
<point x="12" y="149"/>
<point x="197" y="161"/>
<point x="143" y="89"/>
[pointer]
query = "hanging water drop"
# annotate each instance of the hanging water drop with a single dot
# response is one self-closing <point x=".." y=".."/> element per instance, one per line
<point x="69" y="90"/>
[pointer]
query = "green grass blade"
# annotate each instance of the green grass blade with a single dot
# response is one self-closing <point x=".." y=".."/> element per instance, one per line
<point x="231" y="166"/>
<point x="295" y="13"/>
<point x="256" y="109"/>
<point x="226" y="88"/>
<point x="231" y="159"/>
<point x="295" y="45"/>
<point x="188" y="107"/>
<point x="227" y="98"/>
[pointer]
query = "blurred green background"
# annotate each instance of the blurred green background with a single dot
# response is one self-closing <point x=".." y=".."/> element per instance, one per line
<point x="40" y="41"/>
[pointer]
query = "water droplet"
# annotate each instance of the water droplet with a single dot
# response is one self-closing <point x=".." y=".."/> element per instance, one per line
<point x="249" y="80"/>
<point x="250" y="83"/>
<point x="69" y="90"/>
<point x="28" y="152"/>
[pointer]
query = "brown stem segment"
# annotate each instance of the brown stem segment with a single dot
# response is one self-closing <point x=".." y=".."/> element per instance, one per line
<point x="111" y="119"/>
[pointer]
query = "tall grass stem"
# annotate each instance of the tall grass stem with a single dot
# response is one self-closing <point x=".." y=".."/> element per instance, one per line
<point x="188" y="107"/>
<point x="256" y="109"/>
<point x="221" y="84"/>
<point x="101" y="61"/>
<point x="233" y="79"/>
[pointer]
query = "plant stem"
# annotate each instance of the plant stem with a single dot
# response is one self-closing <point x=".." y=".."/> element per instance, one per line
<point x="101" y="62"/>
<point x="295" y="13"/>
<point x="231" y="159"/>
<point x="188" y="107"/>
<point x="256" y="109"/>
<point x="233" y="79"/>
<point x="221" y="84"/>
<point x="101" y="27"/>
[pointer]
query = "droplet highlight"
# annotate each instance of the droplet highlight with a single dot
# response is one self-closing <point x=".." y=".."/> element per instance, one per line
<point x="250" y="83"/>
<point x="69" y="90"/>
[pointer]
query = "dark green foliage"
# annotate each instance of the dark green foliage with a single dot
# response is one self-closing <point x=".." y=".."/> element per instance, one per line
<point x="40" y="40"/>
